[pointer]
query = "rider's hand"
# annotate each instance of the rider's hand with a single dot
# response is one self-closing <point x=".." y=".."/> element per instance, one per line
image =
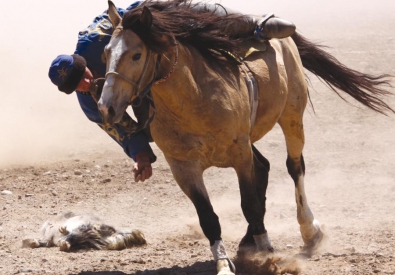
<point x="142" y="168"/>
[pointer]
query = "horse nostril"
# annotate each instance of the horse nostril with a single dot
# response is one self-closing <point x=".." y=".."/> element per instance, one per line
<point x="106" y="113"/>
<point x="111" y="111"/>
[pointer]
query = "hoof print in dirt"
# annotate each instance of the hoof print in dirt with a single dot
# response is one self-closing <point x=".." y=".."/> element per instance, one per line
<point x="72" y="232"/>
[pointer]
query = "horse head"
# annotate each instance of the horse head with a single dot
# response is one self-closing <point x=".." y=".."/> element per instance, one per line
<point x="130" y="66"/>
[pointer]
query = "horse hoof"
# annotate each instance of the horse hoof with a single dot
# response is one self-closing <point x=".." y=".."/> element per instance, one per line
<point x="263" y="243"/>
<point x="225" y="267"/>
<point x="313" y="244"/>
<point x="249" y="247"/>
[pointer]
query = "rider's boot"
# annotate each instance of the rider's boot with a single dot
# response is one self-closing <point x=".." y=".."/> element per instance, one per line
<point x="273" y="27"/>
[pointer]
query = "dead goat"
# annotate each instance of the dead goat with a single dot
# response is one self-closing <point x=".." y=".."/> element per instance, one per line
<point x="71" y="232"/>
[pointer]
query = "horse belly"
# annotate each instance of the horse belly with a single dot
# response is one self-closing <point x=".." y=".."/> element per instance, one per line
<point x="207" y="142"/>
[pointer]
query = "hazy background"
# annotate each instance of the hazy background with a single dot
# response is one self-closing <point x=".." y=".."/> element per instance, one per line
<point x="41" y="124"/>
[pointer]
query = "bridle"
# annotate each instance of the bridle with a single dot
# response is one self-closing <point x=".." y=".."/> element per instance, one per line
<point x="137" y="84"/>
<point x="145" y="92"/>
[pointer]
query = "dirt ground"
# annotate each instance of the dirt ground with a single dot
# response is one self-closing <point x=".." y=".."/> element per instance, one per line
<point x="350" y="176"/>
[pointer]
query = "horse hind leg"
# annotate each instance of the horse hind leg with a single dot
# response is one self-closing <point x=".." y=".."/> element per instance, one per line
<point x="261" y="178"/>
<point x="250" y="167"/>
<point x="310" y="228"/>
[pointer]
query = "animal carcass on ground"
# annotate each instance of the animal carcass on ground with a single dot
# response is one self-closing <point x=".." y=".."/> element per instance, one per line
<point x="71" y="232"/>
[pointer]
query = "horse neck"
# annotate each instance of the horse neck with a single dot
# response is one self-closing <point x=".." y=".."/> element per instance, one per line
<point x="182" y="85"/>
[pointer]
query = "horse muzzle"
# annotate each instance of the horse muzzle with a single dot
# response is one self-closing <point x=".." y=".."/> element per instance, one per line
<point x="107" y="114"/>
<point x="106" y="110"/>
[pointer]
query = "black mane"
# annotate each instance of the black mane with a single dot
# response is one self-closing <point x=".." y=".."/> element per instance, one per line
<point x="175" y="18"/>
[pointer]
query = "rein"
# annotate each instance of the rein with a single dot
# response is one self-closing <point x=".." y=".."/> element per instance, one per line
<point x="163" y="79"/>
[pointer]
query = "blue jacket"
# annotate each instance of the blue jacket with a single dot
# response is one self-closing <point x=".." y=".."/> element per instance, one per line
<point x="91" y="43"/>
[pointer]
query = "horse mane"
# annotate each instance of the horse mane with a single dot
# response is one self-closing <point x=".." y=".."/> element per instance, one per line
<point x="201" y="29"/>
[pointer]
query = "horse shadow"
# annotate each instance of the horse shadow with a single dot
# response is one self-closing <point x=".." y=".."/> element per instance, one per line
<point x="266" y="265"/>
<point x="198" y="268"/>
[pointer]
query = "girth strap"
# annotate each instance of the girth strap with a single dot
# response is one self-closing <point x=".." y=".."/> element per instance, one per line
<point x="252" y="86"/>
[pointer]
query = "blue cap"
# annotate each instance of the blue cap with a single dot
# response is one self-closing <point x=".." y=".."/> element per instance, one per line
<point x="66" y="71"/>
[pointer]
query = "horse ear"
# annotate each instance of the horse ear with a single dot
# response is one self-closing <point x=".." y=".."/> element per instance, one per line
<point x="146" y="18"/>
<point x="113" y="14"/>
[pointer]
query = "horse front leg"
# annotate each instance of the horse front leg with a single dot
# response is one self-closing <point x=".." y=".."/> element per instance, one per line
<point x="189" y="176"/>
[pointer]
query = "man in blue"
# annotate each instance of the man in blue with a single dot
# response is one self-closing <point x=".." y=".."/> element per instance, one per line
<point x="77" y="72"/>
<point x="81" y="71"/>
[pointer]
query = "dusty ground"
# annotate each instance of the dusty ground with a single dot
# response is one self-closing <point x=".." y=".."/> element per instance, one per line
<point x="350" y="183"/>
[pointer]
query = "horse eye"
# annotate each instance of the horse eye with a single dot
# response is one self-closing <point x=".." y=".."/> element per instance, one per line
<point x="136" y="57"/>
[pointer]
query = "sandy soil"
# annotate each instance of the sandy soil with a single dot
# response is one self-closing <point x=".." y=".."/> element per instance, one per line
<point x="51" y="168"/>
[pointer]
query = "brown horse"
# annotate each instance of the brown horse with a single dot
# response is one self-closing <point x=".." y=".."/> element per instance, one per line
<point x="203" y="109"/>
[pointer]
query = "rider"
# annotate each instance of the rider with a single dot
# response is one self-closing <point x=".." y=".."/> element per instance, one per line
<point x="84" y="71"/>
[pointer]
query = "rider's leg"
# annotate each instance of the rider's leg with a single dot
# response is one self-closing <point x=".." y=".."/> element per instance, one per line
<point x="266" y="27"/>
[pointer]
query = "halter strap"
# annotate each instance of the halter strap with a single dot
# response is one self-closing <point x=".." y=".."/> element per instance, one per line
<point x="121" y="76"/>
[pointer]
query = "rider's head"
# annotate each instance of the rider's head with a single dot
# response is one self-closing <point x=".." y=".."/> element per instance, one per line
<point x="70" y="73"/>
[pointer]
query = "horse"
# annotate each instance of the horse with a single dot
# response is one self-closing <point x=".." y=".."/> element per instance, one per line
<point x="203" y="109"/>
<point x="71" y="232"/>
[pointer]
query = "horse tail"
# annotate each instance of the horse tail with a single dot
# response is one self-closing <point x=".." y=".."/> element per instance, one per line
<point x="364" y="88"/>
